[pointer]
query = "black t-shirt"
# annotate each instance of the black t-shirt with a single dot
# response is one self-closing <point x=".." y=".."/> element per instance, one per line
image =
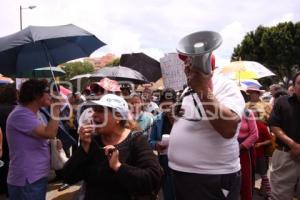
<point x="167" y="126"/>
<point x="139" y="173"/>
<point x="286" y="115"/>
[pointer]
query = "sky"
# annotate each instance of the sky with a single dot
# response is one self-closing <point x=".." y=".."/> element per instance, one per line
<point x="151" y="26"/>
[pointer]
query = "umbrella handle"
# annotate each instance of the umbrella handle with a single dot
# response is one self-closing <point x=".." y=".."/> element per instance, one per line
<point x="53" y="77"/>
<point x="50" y="65"/>
<point x="239" y="78"/>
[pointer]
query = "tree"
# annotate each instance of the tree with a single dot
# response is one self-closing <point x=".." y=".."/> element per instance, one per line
<point x="114" y="62"/>
<point x="277" y="47"/>
<point x="75" y="68"/>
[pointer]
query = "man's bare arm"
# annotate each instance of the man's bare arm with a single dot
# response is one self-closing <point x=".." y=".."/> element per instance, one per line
<point x="224" y="120"/>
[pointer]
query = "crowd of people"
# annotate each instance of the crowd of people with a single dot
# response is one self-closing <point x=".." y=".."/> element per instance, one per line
<point x="207" y="141"/>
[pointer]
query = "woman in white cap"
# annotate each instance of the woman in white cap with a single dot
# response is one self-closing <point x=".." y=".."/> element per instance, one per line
<point x="115" y="162"/>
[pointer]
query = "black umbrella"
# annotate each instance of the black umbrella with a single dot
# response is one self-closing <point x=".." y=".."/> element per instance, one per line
<point x="144" y="64"/>
<point x="120" y="73"/>
<point x="41" y="46"/>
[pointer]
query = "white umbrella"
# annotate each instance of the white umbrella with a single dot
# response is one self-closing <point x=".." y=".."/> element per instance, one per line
<point x="243" y="70"/>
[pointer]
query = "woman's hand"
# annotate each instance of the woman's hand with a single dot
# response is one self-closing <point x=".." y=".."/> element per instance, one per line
<point x="159" y="147"/>
<point x="257" y="145"/>
<point x="57" y="102"/>
<point x="59" y="144"/>
<point x="242" y="147"/>
<point x="85" y="135"/>
<point x="113" y="157"/>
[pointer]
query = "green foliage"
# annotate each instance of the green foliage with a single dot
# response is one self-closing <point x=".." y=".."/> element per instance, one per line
<point x="277" y="48"/>
<point x="114" y="62"/>
<point x="75" y="68"/>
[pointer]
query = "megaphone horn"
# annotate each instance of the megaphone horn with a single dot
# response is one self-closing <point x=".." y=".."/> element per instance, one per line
<point x="198" y="47"/>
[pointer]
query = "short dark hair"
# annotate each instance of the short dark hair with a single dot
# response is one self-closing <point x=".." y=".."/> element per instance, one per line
<point x="168" y="94"/>
<point x="96" y="88"/>
<point x="276" y="87"/>
<point x="32" y="90"/>
<point x="295" y="78"/>
<point x="8" y="94"/>
<point x="280" y="93"/>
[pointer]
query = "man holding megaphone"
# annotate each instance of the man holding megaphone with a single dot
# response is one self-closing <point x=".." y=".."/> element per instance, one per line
<point x="203" y="148"/>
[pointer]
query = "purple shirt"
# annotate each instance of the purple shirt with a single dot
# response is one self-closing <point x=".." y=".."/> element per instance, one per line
<point x="29" y="155"/>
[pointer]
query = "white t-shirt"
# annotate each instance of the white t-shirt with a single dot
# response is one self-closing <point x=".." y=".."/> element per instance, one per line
<point x="195" y="146"/>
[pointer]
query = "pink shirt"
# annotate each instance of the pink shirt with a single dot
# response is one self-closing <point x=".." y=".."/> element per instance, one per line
<point x="248" y="132"/>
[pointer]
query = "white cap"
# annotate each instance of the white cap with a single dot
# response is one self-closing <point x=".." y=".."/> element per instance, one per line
<point x="114" y="101"/>
<point x="151" y="107"/>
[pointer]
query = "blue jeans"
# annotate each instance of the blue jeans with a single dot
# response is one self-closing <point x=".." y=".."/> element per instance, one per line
<point x="168" y="182"/>
<point x="36" y="190"/>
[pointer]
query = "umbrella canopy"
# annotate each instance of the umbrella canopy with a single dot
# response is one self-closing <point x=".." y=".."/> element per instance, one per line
<point x="80" y="81"/>
<point x="41" y="46"/>
<point x="43" y="72"/>
<point x="144" y="64"/>
<point x="245" y="84"/>
<point x="5" y="80"/>
<point x="80" y="76"/>
<point x="120" y="73"/>
<point x="64" y="90"/>
<point x="251" y="83"/>
<point x="243" y="70"/>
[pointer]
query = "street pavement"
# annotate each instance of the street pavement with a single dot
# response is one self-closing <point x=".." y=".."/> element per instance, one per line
<point x="72" y="192"/>
<point x="68" y="194"/>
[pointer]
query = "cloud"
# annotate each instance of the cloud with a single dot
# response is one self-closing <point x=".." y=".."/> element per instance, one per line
<point x="284" y="18"/>
<point x="154" y="53"/>
<point x="232" y="35"/>
<point x="124" y="41"/>
<point x="153" y="26"/>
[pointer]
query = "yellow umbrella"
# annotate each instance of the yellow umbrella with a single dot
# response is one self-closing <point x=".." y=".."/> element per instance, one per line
<point x="233" y="67"/>
<point x="245" y="75"/>
<point x="243" y="70"/>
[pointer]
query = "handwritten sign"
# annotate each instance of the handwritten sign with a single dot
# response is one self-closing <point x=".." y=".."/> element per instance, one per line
<point x="172" y="69"/>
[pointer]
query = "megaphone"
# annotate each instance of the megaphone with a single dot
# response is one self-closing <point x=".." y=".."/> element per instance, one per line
<point x="197" y="49"/>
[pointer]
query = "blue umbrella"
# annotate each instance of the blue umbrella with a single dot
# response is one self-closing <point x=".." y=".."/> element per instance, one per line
<point x="41" y="46"/>
<point x="251" y="83"/>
